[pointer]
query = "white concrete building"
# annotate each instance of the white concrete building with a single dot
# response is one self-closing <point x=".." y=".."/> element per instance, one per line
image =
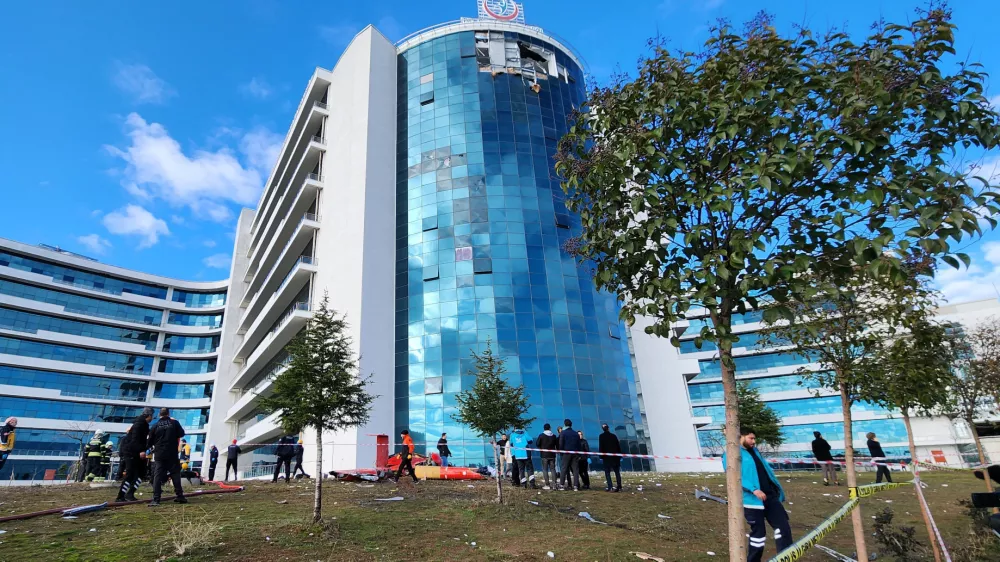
<point x="682" y="393"/>
<point x="86" y="346"/>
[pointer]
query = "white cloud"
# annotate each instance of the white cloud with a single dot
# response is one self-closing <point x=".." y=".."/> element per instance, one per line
<point x="218" y="261"/>
<point x="206" y="181"/>
<point x="995" y="103"/>
<point x="177" y="219"/>
<point x="140" y="82"/>
<point x="261" y="148"/>
<point x="976" y="282"/>
<point x="133" y="220"/>
<point x="257" y="88"/>
<point x="94" y="243"/>
<point x="208" y="243"/>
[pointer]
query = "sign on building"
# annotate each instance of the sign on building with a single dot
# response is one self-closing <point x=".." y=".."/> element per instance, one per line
<point x="502" y="10"/>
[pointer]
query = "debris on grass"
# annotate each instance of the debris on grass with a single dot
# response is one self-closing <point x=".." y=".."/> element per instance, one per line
<point x="647" y="556"/>
<point x="550" y="554"/>
<point x="662" y="516"/>
<point x="590" y="518"/>
<point x="393" y="499"/>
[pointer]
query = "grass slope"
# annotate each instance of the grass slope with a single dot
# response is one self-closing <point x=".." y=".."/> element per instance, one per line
<point x="442" y="520"/>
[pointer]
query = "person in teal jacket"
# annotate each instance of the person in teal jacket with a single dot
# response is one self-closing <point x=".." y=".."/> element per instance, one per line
<point x="762" y="498"/>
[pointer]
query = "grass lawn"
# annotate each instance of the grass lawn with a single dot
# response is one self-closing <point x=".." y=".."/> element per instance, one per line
<point x="448" y="521"/>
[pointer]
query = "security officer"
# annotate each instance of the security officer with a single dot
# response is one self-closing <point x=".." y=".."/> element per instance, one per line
<point x="164" y="439"/>
<point x="94" y="451"/>
<point x="213" y="461"/>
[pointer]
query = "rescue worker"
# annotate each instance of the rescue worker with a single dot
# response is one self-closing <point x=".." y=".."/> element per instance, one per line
<point x="7" y="438"/>
<point x="300" y="452"/>
<point x="132" y="452"/>
<point x="284" y="451"/>
<point x="406" y="456"/>
<point x="94" y="451"/>
<point x="213" y="460"/>
<point x="232" y="458"/>
<point x="106" y="450"/>
<point x="164" y="440"/>
<point x="185" y="454"/>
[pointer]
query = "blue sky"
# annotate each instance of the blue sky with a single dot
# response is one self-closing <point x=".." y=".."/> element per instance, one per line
<point x="134" y="132"/>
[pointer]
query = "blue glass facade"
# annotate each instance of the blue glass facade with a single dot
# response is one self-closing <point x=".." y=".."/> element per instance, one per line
<point x="190" y="344"/>
<point x="81" y="278"/>
<point x="186" y="366"/>
<point x="21" y="321"/>
<point x="480" y="227"/>
<point x="199" y="300"/>
<point x="183" y="391"/>
<point x="72" y="384"/>
<point x="205" y="320"/>
<point x="83" y="305"/>
<point x="118" y="362"/>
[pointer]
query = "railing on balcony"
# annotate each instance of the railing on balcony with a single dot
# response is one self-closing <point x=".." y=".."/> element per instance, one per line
<point x="318" y="139"/>
<point x="319" y="104"/>
<point x="265" y="378"/>
<point x="302" y="260"/>
<point x="102" y="396"/>
<point x="314" y="177"/>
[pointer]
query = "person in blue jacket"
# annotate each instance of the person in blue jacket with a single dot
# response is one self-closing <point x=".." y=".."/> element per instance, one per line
<point x="762" y="498"/>
<point x="518" y="444"/>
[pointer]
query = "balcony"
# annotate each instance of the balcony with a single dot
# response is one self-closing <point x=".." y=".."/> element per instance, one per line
<point x="260" y="431"/>
<point x="246" y="403"/>
<point x="265" y="307"/>
<point x="273" y="342"/>
<point x="294" y="233"/>
<point x="293" y="166"/>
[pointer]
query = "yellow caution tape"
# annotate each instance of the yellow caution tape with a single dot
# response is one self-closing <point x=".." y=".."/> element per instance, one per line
<point x="799" y="547"/>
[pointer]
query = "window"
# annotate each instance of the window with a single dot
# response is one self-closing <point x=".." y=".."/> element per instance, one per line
<point x="199" y="300"/>
<point x="80" y="278"/>
<point x="426" y="98"/>
<point x="83" y="305"/>
<point x="431" y="273"/>
<point x="207" y="320"/>
<point x="433" y="385"/>
<point x="463" y="254"/>
<point x="427" y="78"/>
<point x="117" y="362"/>
<point x="28" y="322"/>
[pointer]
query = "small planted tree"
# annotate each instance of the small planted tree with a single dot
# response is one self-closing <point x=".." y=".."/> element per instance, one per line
<point x="755" y="413"/>
<point x="974" y="382"/>
<point x="322" y="388"/>
<point x="714" y="180"/>
<point x="492" y="406"/>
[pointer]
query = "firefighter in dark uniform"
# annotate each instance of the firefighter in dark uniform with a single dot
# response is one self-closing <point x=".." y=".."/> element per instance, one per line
<point x="164" y="439"/>
<point x="106" y="451"/>
<point x="94" y="451"/>
<point x="132" y="450"/>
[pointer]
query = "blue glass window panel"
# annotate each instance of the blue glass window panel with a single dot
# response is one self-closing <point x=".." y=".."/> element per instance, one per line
<point x="183" y="391"/>
<point x="712" y="392"/>
<point x="748" y="340"/>
<point x="748" y="364"/>
<point x="81" y="278"/>
<point x="186" y="366"/>
<point x="190" y="344"/>
<point x="798" y="407"/>
<point x="29" y="322"/>
<point x="74" y="384"/>
<point x="83" y="305"/>
<point x="117" y="362"/>
<point x="205" y="320"/>
<point x="76" y="411"/>
<point x="193" y="299"/>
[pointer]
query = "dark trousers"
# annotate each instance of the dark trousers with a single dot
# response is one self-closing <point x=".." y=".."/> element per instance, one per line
<point x="883" y="470"/>
<point x="775" y="514"/>
<point x="288" y="469"/>
<point x="93" y="466"/>
<point x="161" y="470"/>
<point x="515" y="476"/>
<point x="231" y="463"/>
<point x="570" y="465"/>
<point x="298" y="468"/>
<point x="131" y="465"/>
<point x="549" y="465"/>
<point x="211" y="470"/>
<point x="584" y="467"/>
<point x="613" y="464"/>
<point x="526" y="470"/>
<point x="405" y="463"/>
<point x="3" y="459"/>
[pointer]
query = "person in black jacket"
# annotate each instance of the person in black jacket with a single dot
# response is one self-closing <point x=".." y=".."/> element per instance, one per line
<point x="213" y="461"/>
<point x="300" y="452"/>
<point x="443" y="451"/>
<point x="569" y="444"/>
<point x="132" y="450"/>
<point x="232" y="458"/>
<point x="878" y="457"/>
<point x="164" y="439"/>
<point x="608" y="443"/>
<point x="284" y="451"/>
<point x="548" y="440"/>
<point x="583" y="462"/>
<point x="821" y="451"/>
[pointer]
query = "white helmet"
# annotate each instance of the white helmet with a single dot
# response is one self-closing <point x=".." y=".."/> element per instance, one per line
<point x="99" y="433"/>
<point x="11" y="421"/>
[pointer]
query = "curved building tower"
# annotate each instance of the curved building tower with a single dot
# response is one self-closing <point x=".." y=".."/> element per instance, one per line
<point x="86" y="346"/>
<point x="480" y="225"/>
<point x="416" y="189"/>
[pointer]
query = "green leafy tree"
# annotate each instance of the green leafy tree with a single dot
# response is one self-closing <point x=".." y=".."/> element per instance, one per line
<point x="755" y="413"/>
<point x="492" y="406"/>
<point x="322" y="387"/>
<point x="716" y="179"/>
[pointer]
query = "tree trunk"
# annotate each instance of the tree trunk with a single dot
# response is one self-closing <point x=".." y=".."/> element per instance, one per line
<point x="318" y="500"/>
<point x="852" y="474"/>
<point x="734" y="460"/>
<point x="496" y="459"/>
<point x="913" y="467"/>
<point x="982" y="457"/>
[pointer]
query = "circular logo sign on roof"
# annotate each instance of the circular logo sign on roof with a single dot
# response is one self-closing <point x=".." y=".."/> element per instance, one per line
<point x="503" y="10"/>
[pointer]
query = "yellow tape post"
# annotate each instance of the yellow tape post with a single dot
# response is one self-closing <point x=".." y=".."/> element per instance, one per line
<point x="799" y="547"/>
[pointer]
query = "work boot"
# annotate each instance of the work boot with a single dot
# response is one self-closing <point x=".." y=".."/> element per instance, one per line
<point x="130" y="498"/>
<point x="180" y="499"/>
<point x="154" y="503"/>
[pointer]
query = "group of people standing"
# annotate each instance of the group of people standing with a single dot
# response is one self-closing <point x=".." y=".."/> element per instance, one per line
<point x="164" y="441"/>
